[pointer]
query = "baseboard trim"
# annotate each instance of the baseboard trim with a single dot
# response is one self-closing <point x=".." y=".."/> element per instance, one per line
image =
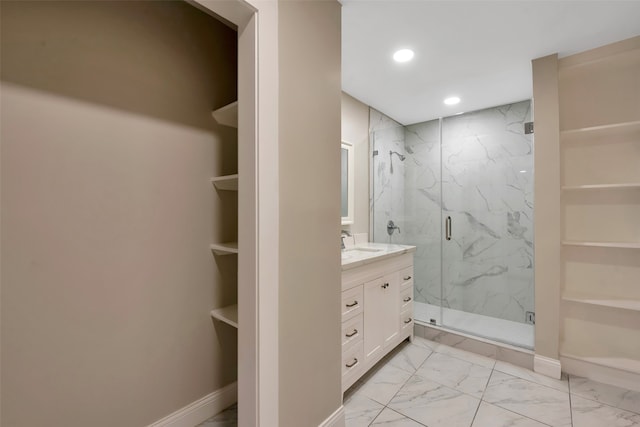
<point x="336" y="419"/>
<point x="603" y="374"/>
<point x="547" y="366"/>
<point x="202" y="409"/>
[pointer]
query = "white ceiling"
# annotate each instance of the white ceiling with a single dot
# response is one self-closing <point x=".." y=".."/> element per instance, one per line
<point x="478" y="50"/>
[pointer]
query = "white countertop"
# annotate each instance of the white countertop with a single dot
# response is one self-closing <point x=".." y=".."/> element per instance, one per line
<point x="371" y="252"/>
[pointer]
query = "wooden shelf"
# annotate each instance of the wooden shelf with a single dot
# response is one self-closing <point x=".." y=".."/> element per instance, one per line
<point x="228" y="315"/>
<point x="227" y="182"/>
<point x="623" y="245"/>
<point x="225" y="248"/>
<point x="620" y="363"/>
<point x="615" y="127"/>
<point x="635" y="185"/>
<point x="227" y="115"/>
<point x="626" y="304"/>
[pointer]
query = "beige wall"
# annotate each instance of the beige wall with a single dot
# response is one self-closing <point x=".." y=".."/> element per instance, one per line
<point x="547" y="206"/>
<point x="107" y="150"/>
<point x="355" y="129"/>
<point x="309" y="108"/>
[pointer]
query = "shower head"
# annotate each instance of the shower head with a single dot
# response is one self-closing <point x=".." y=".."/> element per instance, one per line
<point x="400" y="156"/>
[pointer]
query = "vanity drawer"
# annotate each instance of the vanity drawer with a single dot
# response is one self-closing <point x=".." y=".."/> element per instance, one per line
<point x="352" y="302"/>
<point x="406" y="321"/>
<point x="406" y="278"/>
<point x="352" y="332"/>
<point x="353" y="360"/>
<point x="406" y="299"/>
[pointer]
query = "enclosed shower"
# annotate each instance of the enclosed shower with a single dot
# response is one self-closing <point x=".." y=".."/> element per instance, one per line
<point x="460" y="189"/>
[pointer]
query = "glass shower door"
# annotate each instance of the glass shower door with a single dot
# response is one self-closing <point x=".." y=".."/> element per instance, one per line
<point x="487" y="223"/>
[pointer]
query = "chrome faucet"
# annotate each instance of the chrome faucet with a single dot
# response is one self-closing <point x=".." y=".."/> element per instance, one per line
<point x="391" y="227"/>
<point x="343" y="234"/>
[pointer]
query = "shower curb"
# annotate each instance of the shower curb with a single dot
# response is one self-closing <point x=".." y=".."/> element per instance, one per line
<point x="499" y="351"/>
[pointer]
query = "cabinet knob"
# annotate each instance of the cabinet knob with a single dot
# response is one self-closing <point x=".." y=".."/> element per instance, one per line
<point x="355" y="331"/>
<point x="407" y="299"/>
<point x="353" y="304"/>
<point x="406" y="278"/>
<point x="352" y="364"/>
<point x="408" y="320"/>
<point x="385" y="286"/>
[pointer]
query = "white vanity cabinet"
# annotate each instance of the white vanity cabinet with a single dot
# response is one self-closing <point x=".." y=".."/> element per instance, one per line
<point x="377" y="311"/>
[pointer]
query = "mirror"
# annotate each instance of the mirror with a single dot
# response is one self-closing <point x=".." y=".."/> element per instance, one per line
<point x="347" y="183"/>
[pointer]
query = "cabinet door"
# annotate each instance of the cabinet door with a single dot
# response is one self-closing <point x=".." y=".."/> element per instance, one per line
<point x="391" y="312"/>
<point x="381" y="314"/>
<point x="374" y="318"/>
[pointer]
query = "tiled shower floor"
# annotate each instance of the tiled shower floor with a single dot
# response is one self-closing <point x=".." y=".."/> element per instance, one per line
<point x="430" y="384"/>
<point x="506" y="331"/>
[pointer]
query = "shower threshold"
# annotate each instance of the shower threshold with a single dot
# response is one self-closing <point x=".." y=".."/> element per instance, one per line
<point x="490" y="328"/>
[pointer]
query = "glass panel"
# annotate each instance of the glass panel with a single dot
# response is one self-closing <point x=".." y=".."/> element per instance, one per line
<point x="388" y="167"/>
<point x="487" y="191"/>
<point x="423" y="216"/>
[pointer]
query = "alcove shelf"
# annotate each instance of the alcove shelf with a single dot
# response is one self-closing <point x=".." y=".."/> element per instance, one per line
<point x="623" y="303"/>
<point x="227" y="115"/>
<point x="227" y="182"/>
<point x="225" y="248"/>
<point x="621" y="186"/>
<point x="622" y="245"/>
<point x="228" y="315"/>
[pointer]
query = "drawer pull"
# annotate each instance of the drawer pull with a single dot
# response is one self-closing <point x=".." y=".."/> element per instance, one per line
<point x="406" y="278"/>
<point x="352" y="364"/>
<point x="408" y="320"/>
<point x="407" y="299"/>
<point x="353" y="304"/>
<point x="355" y="331"/>
<point x="385" y="286"/>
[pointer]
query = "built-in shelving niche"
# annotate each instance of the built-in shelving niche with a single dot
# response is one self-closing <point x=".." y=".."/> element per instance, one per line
<point x="600" y="203"/>
<point x="226" y="116"/>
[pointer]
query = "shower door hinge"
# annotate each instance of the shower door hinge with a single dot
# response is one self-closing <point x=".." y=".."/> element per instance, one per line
<point x="530" y="317"/>
<point x="528" y="128"/>
<point x="375" y="153"/>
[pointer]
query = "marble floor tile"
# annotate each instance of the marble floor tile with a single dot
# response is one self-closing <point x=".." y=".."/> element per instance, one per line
<point x="226" y="418"/>
<point x="476" y="359"/>
<point x="423" y="342"/>
<point x="383" y="384"/>
<point x="409" y="357"/>
<point x="360" y="411"/>
<point x="589" y="413"/>
<point x="611" y="395"/>
<point x="455" y="373"/>
<point x="526" y="374"/>
<point x="541" y="403"/>
<point x="493" y="416"/>
<point x="433" y="404"/>
<point x="390" y="418"/>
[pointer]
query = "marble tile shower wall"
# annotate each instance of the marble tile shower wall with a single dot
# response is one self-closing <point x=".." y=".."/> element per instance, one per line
<point x="482" y="176"/>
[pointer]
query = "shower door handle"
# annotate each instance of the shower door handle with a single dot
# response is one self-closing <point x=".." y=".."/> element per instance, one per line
<point x="447" y="228"/>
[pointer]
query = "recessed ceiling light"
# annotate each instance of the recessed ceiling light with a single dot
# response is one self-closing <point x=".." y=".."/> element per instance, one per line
<point x="457" y="114"/>
<point x="403" y="55"/>
<point x="523" y="171"/>
<point x="453" y="100"/>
